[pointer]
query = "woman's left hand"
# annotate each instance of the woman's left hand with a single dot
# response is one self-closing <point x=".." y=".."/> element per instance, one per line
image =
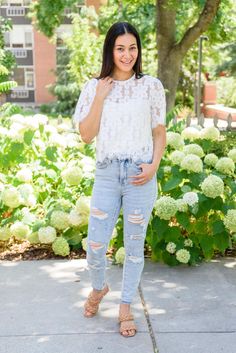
<point x="148" y="171"/>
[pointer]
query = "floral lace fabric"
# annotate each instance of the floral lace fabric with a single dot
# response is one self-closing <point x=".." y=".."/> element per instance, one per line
<point x="130" y="111"/>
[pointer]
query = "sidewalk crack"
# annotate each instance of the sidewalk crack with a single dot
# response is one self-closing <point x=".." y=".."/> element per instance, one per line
<point x="150" y="329"/>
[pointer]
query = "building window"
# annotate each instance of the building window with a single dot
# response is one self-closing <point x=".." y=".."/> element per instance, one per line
<point x="24" y="76"/>
<point x="19" y="37"/>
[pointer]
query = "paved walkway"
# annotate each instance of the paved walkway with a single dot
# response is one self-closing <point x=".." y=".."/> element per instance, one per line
<point x="178" y="310"/>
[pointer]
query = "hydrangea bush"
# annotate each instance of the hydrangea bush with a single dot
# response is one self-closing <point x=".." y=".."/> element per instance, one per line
<point x="202" y="186"/>
<point x="46" y="180"/>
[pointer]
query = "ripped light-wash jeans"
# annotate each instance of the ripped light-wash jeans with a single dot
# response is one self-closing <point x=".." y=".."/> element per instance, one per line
<point x="112" y="190"/>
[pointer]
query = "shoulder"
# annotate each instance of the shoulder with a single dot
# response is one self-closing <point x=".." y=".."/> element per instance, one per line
<point x="91" y="83"/>
<point x="153" y="81"/>
<point x="88" y="88"/>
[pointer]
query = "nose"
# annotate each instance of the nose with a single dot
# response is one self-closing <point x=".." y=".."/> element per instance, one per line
<point x="127" y="54"/>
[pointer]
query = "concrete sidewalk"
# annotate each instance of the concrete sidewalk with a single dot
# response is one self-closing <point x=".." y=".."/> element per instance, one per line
<point x="181" y="309"/>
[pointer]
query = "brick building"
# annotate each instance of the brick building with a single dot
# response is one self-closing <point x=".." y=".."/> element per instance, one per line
<point x="36" y="57"/>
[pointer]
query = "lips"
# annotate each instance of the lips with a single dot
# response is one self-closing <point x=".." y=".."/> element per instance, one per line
<point x="127" y="62"/>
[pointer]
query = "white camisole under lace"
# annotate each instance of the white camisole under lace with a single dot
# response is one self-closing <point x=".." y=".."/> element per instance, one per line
<point x="130" y="111"/>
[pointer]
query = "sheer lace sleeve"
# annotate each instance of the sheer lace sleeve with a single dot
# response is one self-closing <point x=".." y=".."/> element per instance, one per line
<point x="85" y="100"/>
<point x="158" y="104"/>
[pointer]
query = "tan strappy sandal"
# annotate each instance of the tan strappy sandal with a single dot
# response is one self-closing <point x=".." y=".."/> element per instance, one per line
<point x="127" y="323"/>
<point x="92" y="303"/>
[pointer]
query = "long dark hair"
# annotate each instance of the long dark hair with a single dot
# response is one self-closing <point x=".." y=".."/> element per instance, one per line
<point x="117" y="29"/>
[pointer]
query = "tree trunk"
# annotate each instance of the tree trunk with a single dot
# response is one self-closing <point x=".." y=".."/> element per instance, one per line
<point x="171" y="53"/>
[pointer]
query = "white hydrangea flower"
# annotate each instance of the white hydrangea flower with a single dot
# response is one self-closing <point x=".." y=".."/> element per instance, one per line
<point x="50" y="129"/>
<point x="19" y="230"/>
<point x="3" y="131"/>
<point x="190" y="133"/>
<point x="17" y="118"/>
<point x="63" y="127"/>
<point x="31" y="123"/>
<point x="16" y="135"/>
<point x="11" y="197"/>
<point x="166" y="207"/>
<point x="59" y="219"/>
<point x="57" y="140"/>
<point x="120" y="255"/>
<point x="210" y="133"/>
<point x="61" y="247"/>
<point x="40" y="144"/>
<point x="174" y="140"/>
<point x="74" y="218"/>
<point x="84" y="244"/>
<point x="72" y="140"/>
<point x="87" y="164"/>
<point x="193" y="148"/>
<point x="192" y="163"/>
<point x="183" y="256"/>
<point x="212" y="186"/>
<point x="41" y="119"/>
<point x="225" y="165"/>
<point x="25" y="175"/>
<point x="232" y="154"/>
<point x="72" y="175"/>
<point x="5" y="233"/>
<point x="181" y="205"/>
<point x="211" y="159"/>
<point x="188" y="242"/>
<point x="176" y="157"/>
<point x="27" y="193"/>
<point x="230" y="220"/>
<point x="190" y="198"/>
<point x="47" y="234"/>
<point x="83" y="205"/>
<point x="27" y="216"/>
<point x="171" y="247"/>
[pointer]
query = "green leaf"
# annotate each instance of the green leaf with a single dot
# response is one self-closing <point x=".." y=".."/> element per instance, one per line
<point x="206" y="243"/>
<point x="221" y="241"/>
<point x="28" y="136"/>
<point x="51" y="153"/>
<point x="169" y="259"/>
<point x="218" y="227"/>
<point x="172" y="234"/>
<point x="171" y="184"/>
<point x="183" y="219"/>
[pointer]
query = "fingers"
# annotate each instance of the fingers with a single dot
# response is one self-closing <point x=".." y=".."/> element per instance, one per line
<point x="107" y="79"/>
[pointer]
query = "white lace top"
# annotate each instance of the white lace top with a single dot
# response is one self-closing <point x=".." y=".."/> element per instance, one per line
<point x="131" y="109"/>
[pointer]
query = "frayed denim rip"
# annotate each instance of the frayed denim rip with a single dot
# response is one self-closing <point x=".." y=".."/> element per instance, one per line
<point x="112" y="190"/>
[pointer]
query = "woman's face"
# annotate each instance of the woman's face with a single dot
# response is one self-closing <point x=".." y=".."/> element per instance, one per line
<point x="125" y="52"/>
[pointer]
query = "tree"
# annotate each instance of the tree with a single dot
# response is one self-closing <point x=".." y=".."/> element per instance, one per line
<point x="171" y="51"/>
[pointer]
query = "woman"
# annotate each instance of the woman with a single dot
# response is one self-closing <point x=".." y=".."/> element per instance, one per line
<point x="125" y="110"/>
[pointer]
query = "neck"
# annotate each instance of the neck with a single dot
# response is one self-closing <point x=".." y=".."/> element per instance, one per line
<point x="121" y="75"/>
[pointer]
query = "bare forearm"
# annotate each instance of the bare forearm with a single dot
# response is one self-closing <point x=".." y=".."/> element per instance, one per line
<point x="89" y="126"/>
<point x="159" y="144"/>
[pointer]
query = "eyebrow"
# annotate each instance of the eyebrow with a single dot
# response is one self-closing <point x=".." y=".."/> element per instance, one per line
<point x="120" y="45"/>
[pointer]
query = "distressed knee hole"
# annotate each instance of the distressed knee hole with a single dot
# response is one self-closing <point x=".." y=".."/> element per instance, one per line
<point x="137" y="217"/>
<point x="135" y="259"/>
<point x="95" y="212"/>
<point x="95" y="245"/>
<point x="136" y="236"/>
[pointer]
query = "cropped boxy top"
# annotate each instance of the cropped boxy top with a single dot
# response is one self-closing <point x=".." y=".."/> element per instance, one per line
<point x="130" y="111"/>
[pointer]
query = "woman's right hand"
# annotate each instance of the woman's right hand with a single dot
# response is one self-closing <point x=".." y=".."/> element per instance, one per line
<point x="104" y="86"/>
